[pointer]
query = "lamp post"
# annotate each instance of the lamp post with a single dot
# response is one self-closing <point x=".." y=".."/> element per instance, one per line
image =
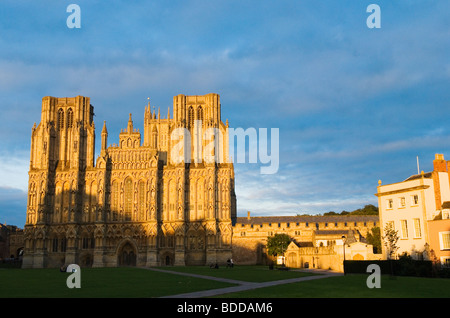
<point x="343" y="245"/>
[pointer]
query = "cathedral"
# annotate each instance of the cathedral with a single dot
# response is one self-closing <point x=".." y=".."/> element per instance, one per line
<point x="162" y="198"/>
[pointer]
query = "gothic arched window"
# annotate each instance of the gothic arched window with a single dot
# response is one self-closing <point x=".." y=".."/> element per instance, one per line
<point x="128" y="199"/>
<point x="60" y="119"/>
<point x="70" y="118"/>
<point x="141" y="199"/>
<point x="200" y="114"/>
<point x="191" y="117"/>
<point x="115" y="196"/>
<point x="114" y="200"/>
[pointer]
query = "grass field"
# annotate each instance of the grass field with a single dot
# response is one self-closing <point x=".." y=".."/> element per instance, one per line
<point x="99" y="282"/>
<point x="143" y="283"/>
<point x="354" y="286"/>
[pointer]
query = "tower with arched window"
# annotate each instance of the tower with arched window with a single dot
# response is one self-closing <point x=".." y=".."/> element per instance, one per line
<point x="135" y="205"/>
<point x="62" y="149"/>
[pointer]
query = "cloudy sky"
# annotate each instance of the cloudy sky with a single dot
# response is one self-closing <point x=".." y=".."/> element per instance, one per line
<point x="352" y="104"/>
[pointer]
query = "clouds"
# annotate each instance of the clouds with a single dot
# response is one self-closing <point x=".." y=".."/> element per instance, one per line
<point x="13" y="186"/>
<point x="352" y="104"/>
<point x="14" y="170"/>
<point x="13" y="206"/>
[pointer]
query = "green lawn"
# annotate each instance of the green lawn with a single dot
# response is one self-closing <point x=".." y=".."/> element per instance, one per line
<point x="354" y="286"/>
<point x="143" y="283"/>
<point x="99" y="282"/>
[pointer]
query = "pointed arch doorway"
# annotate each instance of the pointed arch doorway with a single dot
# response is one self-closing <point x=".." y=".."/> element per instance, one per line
<point x="126" y="256"/>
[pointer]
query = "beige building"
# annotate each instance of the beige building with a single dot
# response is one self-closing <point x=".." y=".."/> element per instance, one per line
<point x="439" y="230"/>
<point x="317" y="241"/>
<point x="413" y="205"/>
<point x="154" y="199"/>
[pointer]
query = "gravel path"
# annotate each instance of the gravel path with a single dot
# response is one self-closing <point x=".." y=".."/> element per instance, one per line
<point x="241" y="285"/>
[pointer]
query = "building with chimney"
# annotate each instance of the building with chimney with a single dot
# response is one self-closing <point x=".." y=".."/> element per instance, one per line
<point x="418" y="209"/>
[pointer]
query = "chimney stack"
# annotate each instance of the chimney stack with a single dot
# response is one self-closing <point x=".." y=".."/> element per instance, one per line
<point x="439" y="163"/>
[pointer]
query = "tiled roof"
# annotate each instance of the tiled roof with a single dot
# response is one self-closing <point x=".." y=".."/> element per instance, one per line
<point x="309" y="219"/>
<point x="330" y="232"/>
<point x="303" y="244"/>
<point x="446" y="205"/>
<point x="349" y="234"/>
<point x="418" y="176"/>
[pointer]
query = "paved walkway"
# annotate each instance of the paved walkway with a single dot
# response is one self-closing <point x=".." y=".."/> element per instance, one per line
<point x="241" y="285"/>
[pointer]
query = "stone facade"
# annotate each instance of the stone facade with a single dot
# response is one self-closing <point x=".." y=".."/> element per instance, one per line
<point x="317" y="241"/>
<point x="162" y="200"/>
<point x="11" y="242"/>
<point x="4" y="242"/>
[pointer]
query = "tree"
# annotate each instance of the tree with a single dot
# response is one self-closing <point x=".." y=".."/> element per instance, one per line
<point x="390" y="239"/>
<point x="374" y="238"/>
<point x="277" y="244"/>
<point x="368" y="209"/>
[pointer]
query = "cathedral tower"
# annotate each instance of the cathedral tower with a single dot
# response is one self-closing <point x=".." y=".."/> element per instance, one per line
<point x="62" y="148"/>
<point x="137" y="204"/>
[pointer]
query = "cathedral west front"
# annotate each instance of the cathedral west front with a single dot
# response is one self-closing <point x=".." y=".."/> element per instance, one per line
<point x="164" y="197"/>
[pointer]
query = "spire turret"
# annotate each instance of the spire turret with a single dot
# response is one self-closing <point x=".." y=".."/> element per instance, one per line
<point x="104" y="130"/>
<point x="104" y="139"/>
<point x="130" y="125"/>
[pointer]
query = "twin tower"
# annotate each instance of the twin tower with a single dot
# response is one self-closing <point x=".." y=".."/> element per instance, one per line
<point x="137" y="204"/>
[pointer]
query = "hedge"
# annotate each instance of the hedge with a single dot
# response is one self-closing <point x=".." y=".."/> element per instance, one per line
<point x="392" y="267"/>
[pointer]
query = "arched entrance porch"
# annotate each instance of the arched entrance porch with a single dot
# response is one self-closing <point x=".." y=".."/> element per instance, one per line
<point x="167" y="258"/>
<point x="126" y="254"/>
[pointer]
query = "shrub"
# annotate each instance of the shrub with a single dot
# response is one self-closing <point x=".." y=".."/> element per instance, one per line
<point x="403" y="267"/>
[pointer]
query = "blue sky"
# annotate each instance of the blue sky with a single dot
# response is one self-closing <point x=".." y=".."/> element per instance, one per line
<point x="353" y="105"/>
